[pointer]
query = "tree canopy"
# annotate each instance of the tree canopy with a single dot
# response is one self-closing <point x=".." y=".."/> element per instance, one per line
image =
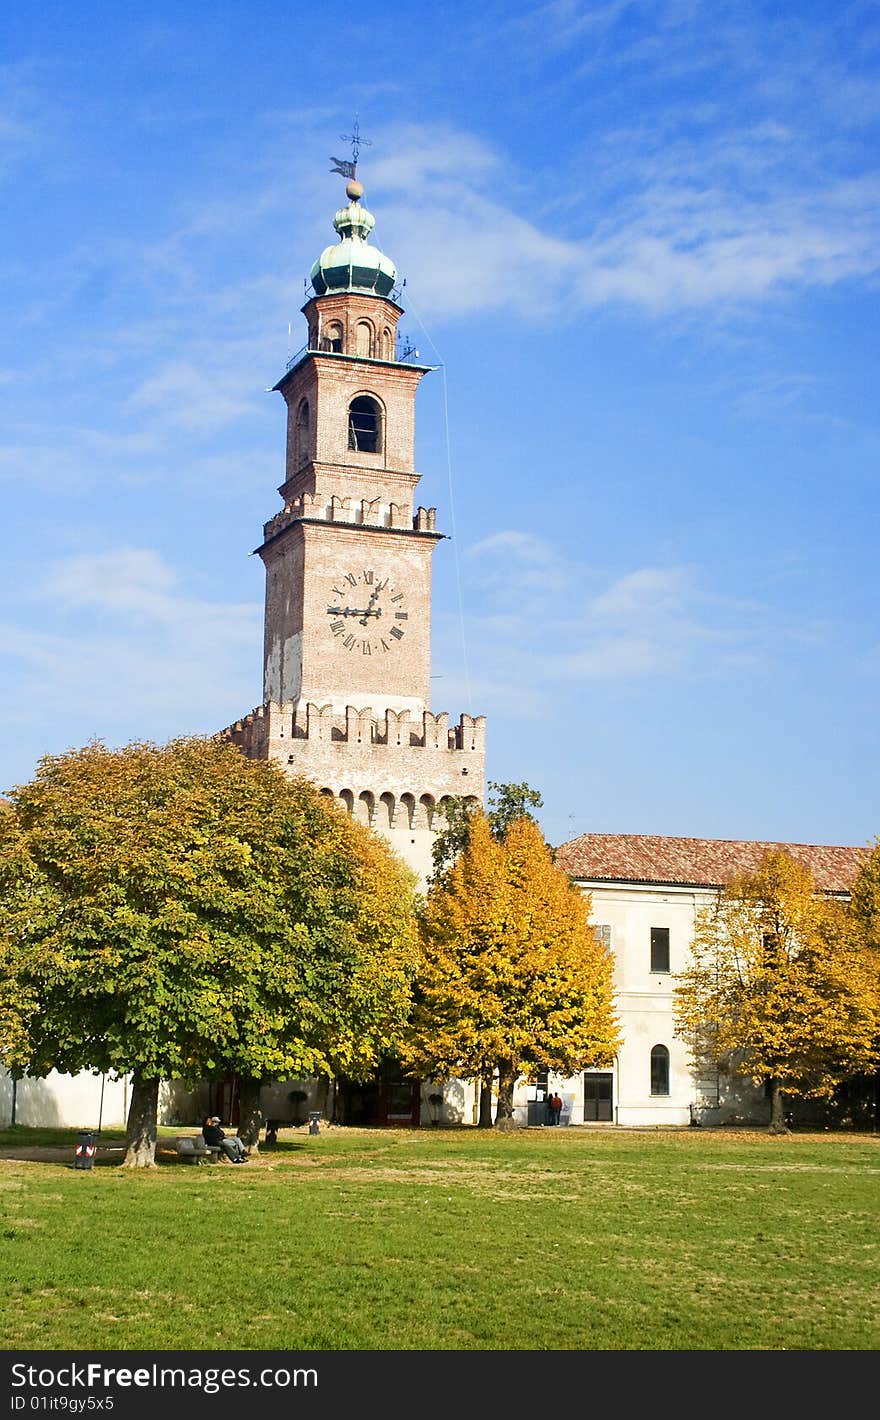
<point x="507" y="803"/>
<point x="182" y="911"/>
<point x="865" y="898"/>
<point x="512" y="977"/>
<point x="781" y="988"/>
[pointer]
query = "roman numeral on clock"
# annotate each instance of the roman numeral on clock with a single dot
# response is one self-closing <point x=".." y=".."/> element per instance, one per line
<point x="396" y="632"/>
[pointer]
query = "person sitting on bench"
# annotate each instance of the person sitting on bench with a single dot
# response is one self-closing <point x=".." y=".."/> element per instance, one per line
<point x="215" y="1138"/>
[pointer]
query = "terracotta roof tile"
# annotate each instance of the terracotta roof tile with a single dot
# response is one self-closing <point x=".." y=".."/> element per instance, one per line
<point x="697" y="862"/>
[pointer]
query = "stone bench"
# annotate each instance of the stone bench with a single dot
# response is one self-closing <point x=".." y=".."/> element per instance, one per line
<point x="193" y="1148"/>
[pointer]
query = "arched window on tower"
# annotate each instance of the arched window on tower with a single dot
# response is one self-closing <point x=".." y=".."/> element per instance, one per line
<point x="301" y="436"/>
<point x="387" y="345"/>
<point x="365" y="425"/>
<point x="332" y="338"/>
<point x="659" y="1070"/>
<point x="363" y="338"/>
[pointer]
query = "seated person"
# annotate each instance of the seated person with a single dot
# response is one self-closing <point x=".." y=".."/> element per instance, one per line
<point x="215" y="1138"/>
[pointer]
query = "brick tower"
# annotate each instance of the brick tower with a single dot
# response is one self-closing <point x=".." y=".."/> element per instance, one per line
<point x="347" y="644"/>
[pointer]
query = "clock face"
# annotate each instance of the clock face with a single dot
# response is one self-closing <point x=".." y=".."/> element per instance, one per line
<point x="367" y="614"/>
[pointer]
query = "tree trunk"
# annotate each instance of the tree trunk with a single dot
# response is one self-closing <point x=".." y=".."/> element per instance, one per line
<point x="504" y="1114"/>
<point x="777" y="1114"/>
<point x="250" y="1117"/>
<point x="323" y="1101"/>
<point x="485" y="1121"/>
<point x="140" y="1131"/>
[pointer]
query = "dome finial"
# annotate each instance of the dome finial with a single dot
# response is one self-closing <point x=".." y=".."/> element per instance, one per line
<point x="353" y="264"/>
<point x="354" y="190"/>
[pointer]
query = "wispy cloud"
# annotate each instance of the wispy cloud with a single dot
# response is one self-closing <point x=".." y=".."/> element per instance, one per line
<point x="24" y="126"/>
<point x="545" y="621"/>
<point x="131" y="645"/>
<point x="677" y="235"/>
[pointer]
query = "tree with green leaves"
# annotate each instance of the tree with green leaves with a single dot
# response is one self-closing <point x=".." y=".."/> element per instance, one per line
<point x="865" y="898"/>
<point x="183" y="912"/>
<point x="780" y="988"/>
<point x="512" y="979"/>
<point x="507" y="802"/>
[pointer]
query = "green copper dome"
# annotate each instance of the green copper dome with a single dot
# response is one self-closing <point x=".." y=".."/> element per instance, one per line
<point x="353" y="264"/>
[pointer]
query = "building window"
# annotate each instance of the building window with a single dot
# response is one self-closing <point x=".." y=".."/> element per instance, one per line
<point x="332" y="340"/>
<point x="301" y="445"/>
<point x="602" y="933"/>
<point x="659" y="948"/>
<point x="659" y="1070"/>
<point x="364" y="425"/>
<point x="363" y="336"/>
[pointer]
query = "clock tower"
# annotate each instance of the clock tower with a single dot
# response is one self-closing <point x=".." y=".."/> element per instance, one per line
<point x="347" y="639"/>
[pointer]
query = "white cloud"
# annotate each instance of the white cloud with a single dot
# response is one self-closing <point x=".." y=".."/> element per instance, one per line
<point x="132" y="647"/>
<point x="525" y="546"/>
<point x="137" y="583"/>
<point x="566" y="622"/>
<point x="648" y="592"/>
<point x="198" y="399"/>
<point x="23" y="120"/>
<point x="678" y="241"/>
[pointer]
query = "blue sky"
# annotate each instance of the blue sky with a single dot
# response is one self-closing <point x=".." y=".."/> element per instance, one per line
<point x="642" y="238"/>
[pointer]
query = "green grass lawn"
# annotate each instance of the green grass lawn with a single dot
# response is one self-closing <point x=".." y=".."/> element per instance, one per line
<point x="436" y="1239"/>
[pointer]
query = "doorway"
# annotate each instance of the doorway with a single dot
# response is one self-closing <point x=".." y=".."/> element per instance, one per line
<point x="598" y="1098"/>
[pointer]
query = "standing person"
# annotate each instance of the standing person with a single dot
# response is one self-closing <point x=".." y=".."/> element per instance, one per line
<point x="557" y="1107"/>
<point x="232" y="1146"/>
<point x="549" y="1105"/>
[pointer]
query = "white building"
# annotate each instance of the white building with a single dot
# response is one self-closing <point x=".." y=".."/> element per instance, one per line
<point x="646" y="892"/>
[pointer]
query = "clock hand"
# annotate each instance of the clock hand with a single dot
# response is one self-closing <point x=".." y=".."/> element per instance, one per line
<point x="370" y="609"/>
<point x="352" y="611"/>
<point x="368" y="612"/>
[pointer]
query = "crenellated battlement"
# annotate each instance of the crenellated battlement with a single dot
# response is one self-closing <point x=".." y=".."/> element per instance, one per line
<point x="357" y="512"/>
<point x="322" y="724"/>
<point x="393" y="772"/>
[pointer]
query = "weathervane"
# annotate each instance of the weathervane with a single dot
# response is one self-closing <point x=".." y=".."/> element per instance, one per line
<point x="342" y="165"/>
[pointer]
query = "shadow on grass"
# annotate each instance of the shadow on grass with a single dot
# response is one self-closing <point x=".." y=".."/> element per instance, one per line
<point x="54" y="1145"/>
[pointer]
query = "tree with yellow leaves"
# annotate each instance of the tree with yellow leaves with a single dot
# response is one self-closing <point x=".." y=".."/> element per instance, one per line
<point x="512" y="978"/>
<point x="780" y="988"/>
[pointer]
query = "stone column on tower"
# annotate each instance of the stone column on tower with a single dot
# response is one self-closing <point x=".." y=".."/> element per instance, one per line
<point x="347" y="638"/>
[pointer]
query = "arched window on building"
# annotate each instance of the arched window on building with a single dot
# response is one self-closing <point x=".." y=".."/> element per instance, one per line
<point x="387" y="345"/>
<point x="659" y="1070"/>
<point x="363" y="338"/>
<point x="333" y="337"/>
<point x="365" y="425"/>
<point x="408" y="810"/>
<point x="301" y="434"/>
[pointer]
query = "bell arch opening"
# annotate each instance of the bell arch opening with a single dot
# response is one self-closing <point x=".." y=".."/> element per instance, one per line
<point x="365" y="425"/>
<point x="333" y="337"/>
<point x="301" y="434"/>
